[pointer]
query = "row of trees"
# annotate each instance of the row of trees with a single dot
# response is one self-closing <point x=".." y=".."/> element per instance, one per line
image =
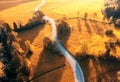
<point x="112" y="11"/>
<point x="32" y="22"/>
<point x="15" y="60"/>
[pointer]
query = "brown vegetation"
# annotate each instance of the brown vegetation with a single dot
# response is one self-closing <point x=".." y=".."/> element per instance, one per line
<point x="50" y="45"/>
<point x="90" y="41"/>
<point x="32" y="22"/>
<point x="63" y="29"/>
<point x="17" y="65"/>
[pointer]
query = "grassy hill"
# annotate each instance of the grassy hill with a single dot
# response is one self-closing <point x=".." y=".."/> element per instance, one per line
<point x="87" y="38"/>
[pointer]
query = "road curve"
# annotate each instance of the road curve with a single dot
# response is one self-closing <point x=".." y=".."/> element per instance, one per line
<point x="38" y="7"/>
<point x="78" y="74"/>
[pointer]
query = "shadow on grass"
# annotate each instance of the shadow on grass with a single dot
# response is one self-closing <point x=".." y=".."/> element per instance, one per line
<point x="51" y="65"/>
<point x="49" y="68"/>
<point x="31" y="34"/>
<point x="98" y="70"/>
<point x="88" y="27"/>
<point x="78" y="22"/>
<point x="97" y="28"/>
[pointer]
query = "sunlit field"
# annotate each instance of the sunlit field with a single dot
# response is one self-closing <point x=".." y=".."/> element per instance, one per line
<point x="54" y="8"/>
<point x="87" y="41"/>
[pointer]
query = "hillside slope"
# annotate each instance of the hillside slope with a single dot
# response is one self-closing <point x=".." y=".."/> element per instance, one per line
<point x="87" y="38"/>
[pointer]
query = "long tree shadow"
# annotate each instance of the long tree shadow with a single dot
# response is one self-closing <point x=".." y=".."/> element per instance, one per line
<point x="84" y="63"/>
<point x="31" y="34"/>
<point x="100" y="73"/>
<point x="78" y="22"/>
<point x="87" y="26"/>
<point x="51" y="65"/>
<point x="97" y="28"/>
<point x="99" y="70"/>
<point x="111" y="68"/>
<point x="49" y="68"/>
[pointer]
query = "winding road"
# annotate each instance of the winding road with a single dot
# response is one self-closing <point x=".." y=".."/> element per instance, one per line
<point x="78" y="74"/>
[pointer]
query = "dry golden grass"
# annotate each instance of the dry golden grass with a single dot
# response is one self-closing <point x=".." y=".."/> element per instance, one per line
<point x="20" y="13"/>
<point x="88" y="38"/>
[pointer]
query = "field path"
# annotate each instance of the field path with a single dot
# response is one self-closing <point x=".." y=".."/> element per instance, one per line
<point x="78" y="74"/>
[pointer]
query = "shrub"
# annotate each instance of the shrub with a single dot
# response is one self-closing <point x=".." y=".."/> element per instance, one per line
<point x="12" y="55"/>
<point x="63" y="29"/>
<point x="50" y="45"/>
